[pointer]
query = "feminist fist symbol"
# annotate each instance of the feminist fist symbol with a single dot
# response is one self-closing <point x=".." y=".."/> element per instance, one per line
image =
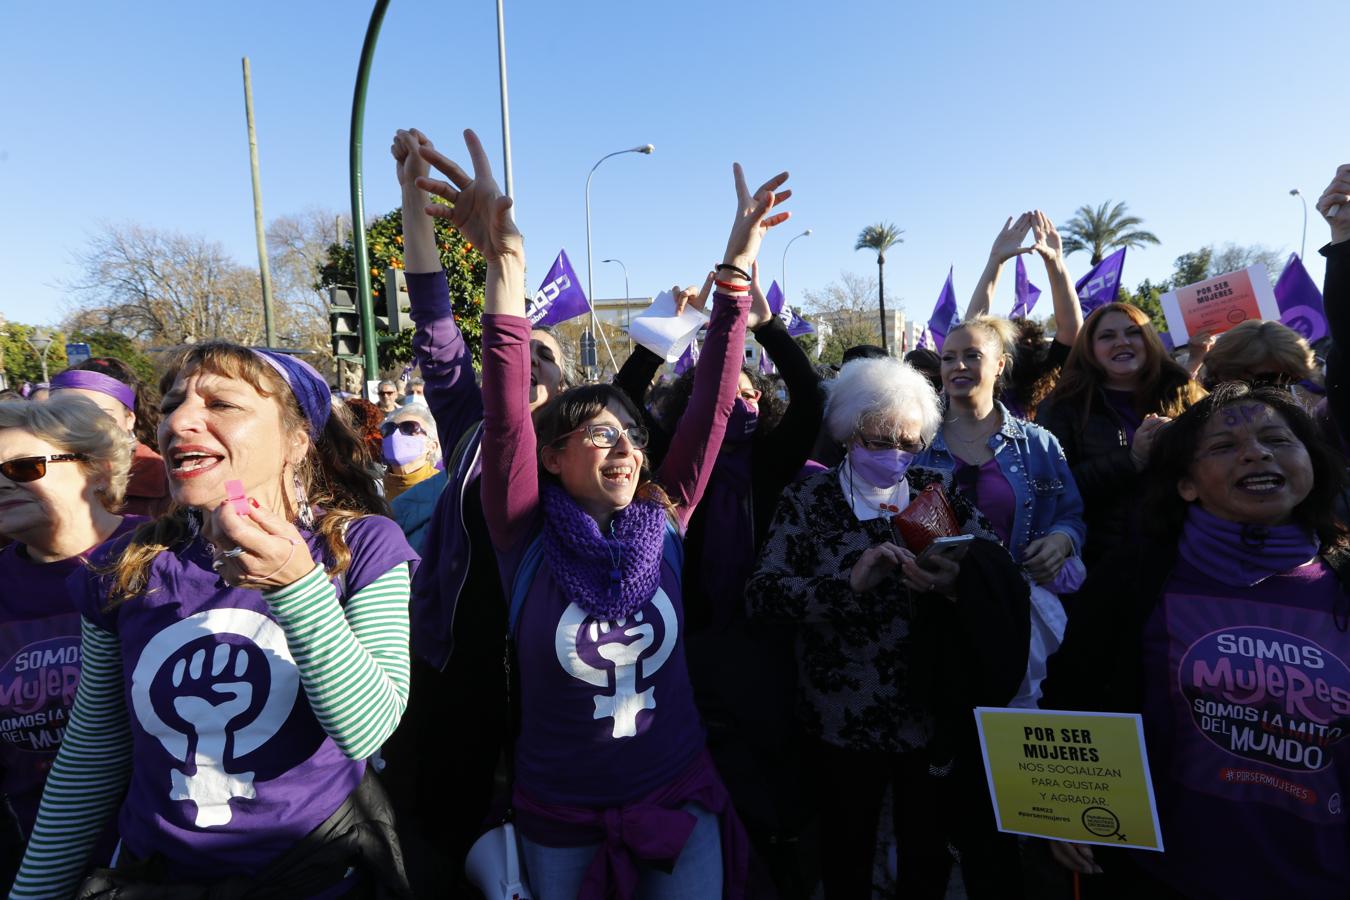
<point x="211" y="788"/>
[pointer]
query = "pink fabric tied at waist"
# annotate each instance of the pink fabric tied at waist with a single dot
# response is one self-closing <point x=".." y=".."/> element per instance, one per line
<point x="653" y="831"/>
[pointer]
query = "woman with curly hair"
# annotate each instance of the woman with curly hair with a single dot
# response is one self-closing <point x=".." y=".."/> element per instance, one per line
<point x="244" y="654"/>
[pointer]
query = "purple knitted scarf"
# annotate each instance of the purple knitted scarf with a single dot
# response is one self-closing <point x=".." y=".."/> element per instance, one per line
<point x="607" y="576"/>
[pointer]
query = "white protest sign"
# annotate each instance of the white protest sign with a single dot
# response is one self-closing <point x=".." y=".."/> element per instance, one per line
<point x="663" y="332"/>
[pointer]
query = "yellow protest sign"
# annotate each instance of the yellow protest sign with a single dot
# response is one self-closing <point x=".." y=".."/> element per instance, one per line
<point x="1070" y="776"/>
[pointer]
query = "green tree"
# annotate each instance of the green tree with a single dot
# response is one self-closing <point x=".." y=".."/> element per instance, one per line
<point x="23" y="363"/>
<point x="1104" y="229"/>
<point x="464" y="267"/>
<point x="880" y="237"/>
<point x="119" y="346"/>
<point x="1146" y="297"/>
<point x="1191" y="267"/>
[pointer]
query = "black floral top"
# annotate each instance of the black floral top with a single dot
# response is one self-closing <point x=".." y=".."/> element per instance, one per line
<point x="857" y="656"/>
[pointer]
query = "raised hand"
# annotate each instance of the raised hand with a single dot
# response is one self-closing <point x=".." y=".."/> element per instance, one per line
<point x="408" y="162"/>
<point x="1047" y="240"/>
<point x="691" y="296"/>
<point x="477" y="206"/>
<point x="1009" y="241"/>
<point x="760" y="311"/>
<point x="1337" y="195"/>
<point x="752" y="217"/>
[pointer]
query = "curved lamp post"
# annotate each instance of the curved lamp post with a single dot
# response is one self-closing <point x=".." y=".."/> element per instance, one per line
<point x="645" y="149"/>
<point x="806" y="233"/>
<point x="627" y="313"/>
<point x="1303" y="245"/>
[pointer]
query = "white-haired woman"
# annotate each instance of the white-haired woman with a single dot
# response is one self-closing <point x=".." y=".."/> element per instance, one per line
<point x="412" y="448"/>
<point x="63" y="468"/>
<point x="892" y="654"/>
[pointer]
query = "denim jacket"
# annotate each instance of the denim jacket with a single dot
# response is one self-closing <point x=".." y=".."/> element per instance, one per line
<point x="1034" y="464"/>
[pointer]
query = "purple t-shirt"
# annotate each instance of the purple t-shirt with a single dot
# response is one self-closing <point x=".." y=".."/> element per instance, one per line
<point x="607" y="712"/>
<point x="1246" y="711"/>
<point x="230" y="765"/>
<point x="39" y="669"/>
<point x="989" y="490"/>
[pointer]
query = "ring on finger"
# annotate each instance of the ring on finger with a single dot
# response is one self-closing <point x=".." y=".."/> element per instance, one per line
<point x="233" y="553"/>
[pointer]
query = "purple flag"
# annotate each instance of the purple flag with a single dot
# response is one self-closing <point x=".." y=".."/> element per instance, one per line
<point x="795" y="324"/>
<point x="775" y="298"/>
<point x="926" y="339"/>
<point x="1099" y="287"/>
<point x="687" y="359"/>
<point x="560" y="296"/>
<point x="765" y="364"/>
<point x="1300" y="301"/>
<point x="1026" y="293"/>
<point x="945" y="315"/>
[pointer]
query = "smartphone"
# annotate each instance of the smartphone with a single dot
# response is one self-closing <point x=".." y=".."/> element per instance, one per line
<point x="952" y="548"/>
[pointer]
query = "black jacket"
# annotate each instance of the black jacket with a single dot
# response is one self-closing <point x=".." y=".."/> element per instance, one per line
<point x="1098" y="451"/>
<point x="1336" y="302"/>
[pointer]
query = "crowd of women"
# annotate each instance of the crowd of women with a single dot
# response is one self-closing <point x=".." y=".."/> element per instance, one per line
<point x="689" y="642"/>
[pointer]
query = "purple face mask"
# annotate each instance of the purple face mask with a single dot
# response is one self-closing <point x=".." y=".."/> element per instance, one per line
<point x="879" y="468"/>
<point x="741" y="426"/>
<point x="401" y="449"/>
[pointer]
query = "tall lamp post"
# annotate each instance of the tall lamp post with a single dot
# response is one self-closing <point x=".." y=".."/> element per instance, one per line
<point x="806" y="233"/>
<point x="627" y="312"/>
<point x="41" y="342"/>
<point x="590" y="265"/>
<point x="1303" y="245"/>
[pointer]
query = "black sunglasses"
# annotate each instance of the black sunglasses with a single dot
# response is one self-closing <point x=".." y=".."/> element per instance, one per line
<point x="31" y="468"/>
<point x="407" y="427"/>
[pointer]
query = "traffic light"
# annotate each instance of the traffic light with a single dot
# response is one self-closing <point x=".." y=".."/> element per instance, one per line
<point x="344" y="323"/>
<point x="395" y="317"/>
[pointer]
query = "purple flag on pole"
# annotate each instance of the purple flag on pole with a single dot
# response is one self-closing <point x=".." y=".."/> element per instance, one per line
<point x="775" y="298"/>
<point x="560" y="296"/>
<point x="765" y="364"/>
<point x="795" y="324"/>
<point x="1099" y="287"/>
<point x="1300" y="301"/>
<point x="1026" y="293"/>
<point x="945" y="316"/>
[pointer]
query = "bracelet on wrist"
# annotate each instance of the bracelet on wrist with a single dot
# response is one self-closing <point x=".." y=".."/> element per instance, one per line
<point x="730" y="288"/>
<point x="737" y="269"/>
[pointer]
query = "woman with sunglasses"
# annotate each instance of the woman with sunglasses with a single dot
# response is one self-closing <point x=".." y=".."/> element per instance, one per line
<point x="1228" y="629"/>
<point x="893" y="651"/>
<point x="1015" y="473"/>
<point x="63" y="468"/>
<point x="614" y="794"/>
<point x="1119" y="387"/>
<point x="411" y="449"/>
<point x="243" y="656"/>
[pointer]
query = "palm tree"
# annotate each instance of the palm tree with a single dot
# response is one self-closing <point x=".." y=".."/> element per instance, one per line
<point x="880" y="237"/>
<point x="1104" y="229"/>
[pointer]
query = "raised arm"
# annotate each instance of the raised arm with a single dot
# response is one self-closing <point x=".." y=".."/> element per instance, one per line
<point x="1007" y="245"/>
<point x="483" y="215"/>
<point x="1336" y="296"/>
<point x="786" y="448"/>
<point x="685" y="471"/>
<point x="1068" y="311"/>
<point x="442" y="355"/>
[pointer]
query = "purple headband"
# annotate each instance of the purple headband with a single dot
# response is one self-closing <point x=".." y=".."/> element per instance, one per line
<point x="309" y="387"/>
<point x="84" y="380"/>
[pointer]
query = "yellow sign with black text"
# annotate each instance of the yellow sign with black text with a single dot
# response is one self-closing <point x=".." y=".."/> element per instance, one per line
<point x="1070" y="776"/>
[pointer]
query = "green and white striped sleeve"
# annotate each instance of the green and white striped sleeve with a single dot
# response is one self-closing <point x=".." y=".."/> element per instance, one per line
<point x="88" y="778"/>
<point x="353" y="662"/>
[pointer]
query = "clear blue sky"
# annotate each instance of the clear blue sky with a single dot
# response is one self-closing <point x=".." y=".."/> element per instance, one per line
<point x="942" y="118"/>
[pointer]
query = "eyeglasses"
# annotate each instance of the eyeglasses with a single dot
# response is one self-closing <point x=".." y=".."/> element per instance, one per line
<point x="407" y="427"/>
<point x="31" y="468"/>
<point x="909" y="446"/>
<point x="606" y="436"/>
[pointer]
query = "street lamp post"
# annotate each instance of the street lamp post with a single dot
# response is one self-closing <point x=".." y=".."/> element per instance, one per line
<point x="590" y="265"/>
<point x="41" y="342"/>
<point x="627" y="312"/>
<point x="1303" y="245"/>
<point x="806" y="233"/>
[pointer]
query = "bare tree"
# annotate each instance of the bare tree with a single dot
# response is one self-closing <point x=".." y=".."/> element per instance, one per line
<point x="1231" y="257"/>
<point x="297" y="247"/>
<point x="165" y="288"/>
<point x="848" y="306"/>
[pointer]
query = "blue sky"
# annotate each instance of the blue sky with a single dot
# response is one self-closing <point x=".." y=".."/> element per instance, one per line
<point x="941" y="118"/>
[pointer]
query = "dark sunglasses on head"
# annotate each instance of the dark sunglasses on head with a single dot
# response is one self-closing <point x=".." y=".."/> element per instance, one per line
<point x="1272" y="379"/>
<point x="407" y="427"/>
<point x="606" y="436"/>
<point x="31" y="468"/>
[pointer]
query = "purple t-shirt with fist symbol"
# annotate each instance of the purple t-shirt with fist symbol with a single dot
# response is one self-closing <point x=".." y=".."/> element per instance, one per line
<point x="39" y="670"/>
<point x="607" y="712"/>
<point x="231" y="767"/>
